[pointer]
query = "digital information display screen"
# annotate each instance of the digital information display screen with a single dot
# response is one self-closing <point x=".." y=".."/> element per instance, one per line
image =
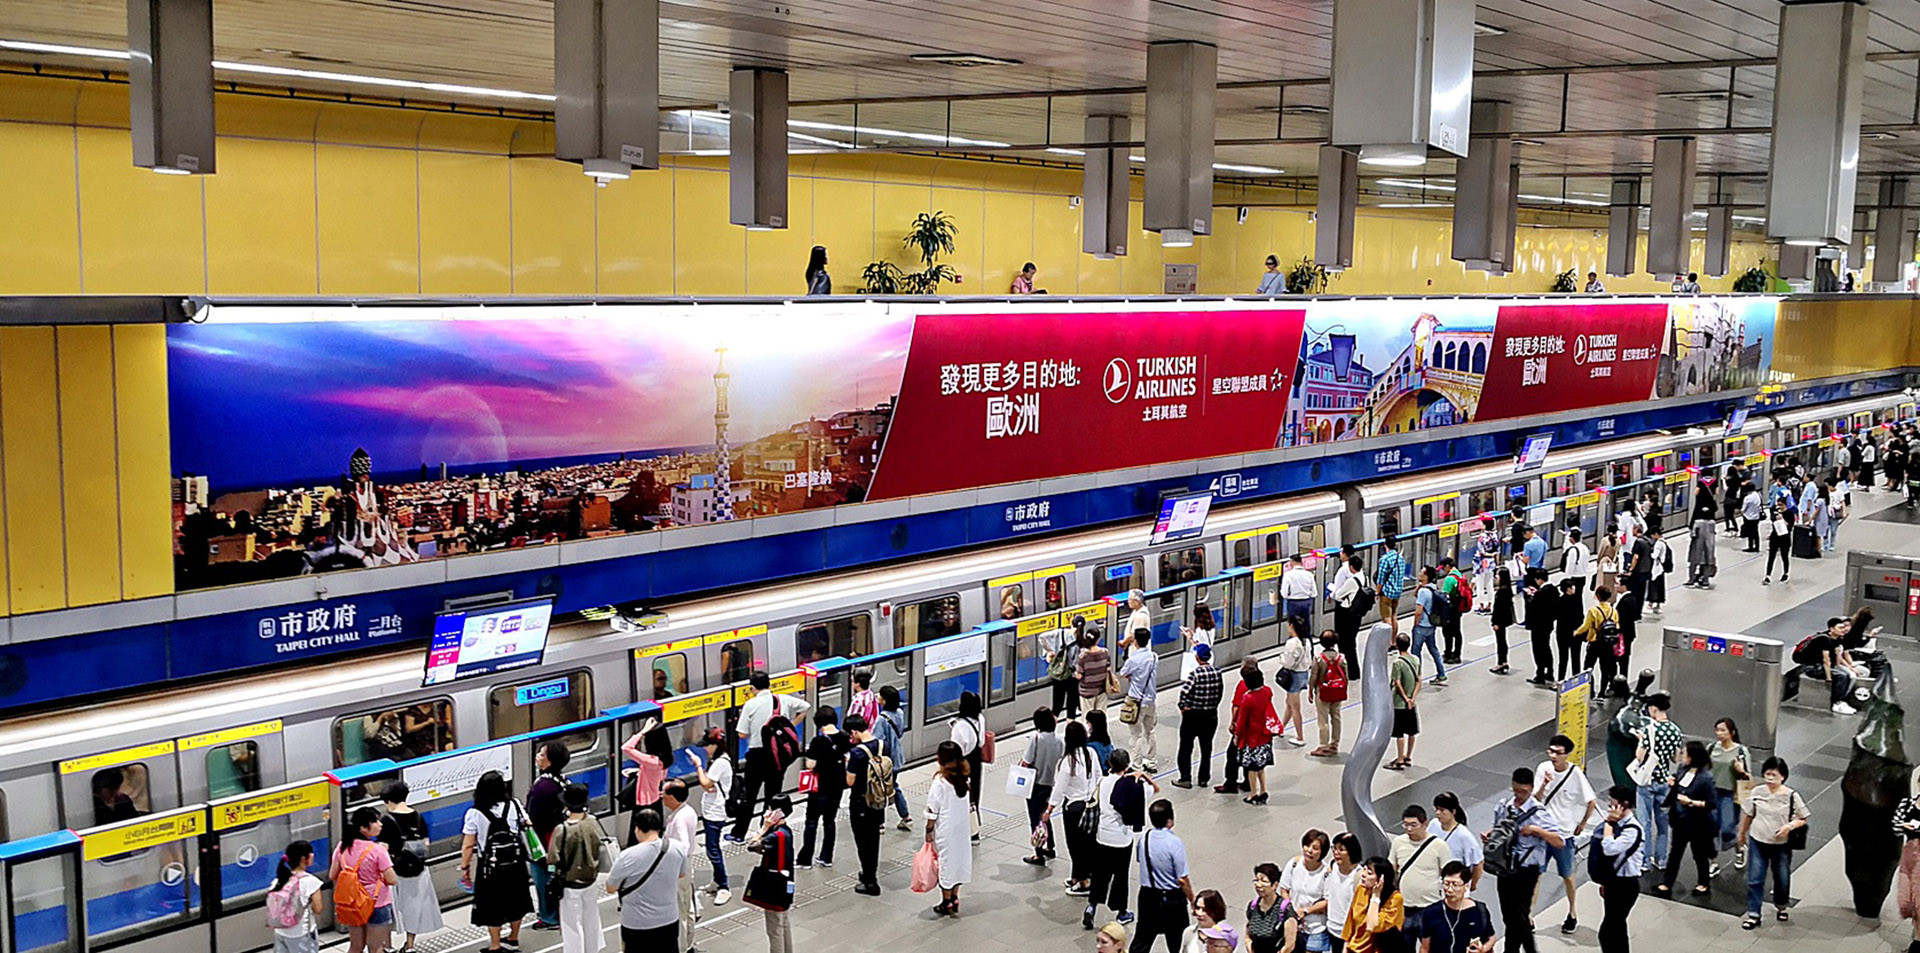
<point x="1181" y="517"/>
<point x="483" y="641"/>
<point x="1533" y="452"/>
<point x="1737" y="421"/>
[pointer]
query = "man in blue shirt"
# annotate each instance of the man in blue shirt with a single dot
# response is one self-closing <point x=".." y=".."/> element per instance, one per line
<point x="1534" y="550"/>
<point x="1424" y="627"/>
<point x="1390" y="581"/>
<point x="1166" y="891"/>
<point x="1536" y="831"/>
<point x="1142" y="670"/>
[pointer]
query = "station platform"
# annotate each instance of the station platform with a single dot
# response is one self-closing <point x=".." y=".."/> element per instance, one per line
<point x="1475" y="731"/>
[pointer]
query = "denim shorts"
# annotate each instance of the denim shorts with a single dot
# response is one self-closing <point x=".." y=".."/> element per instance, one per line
<point x="1563" y="856"/>
<point x="1293" y="680"/>
<point x="382" y="916"/>
<point x="1319" y="942"/>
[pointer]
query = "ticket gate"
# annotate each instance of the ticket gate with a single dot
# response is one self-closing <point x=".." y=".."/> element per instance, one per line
<point x="1889" y="584"/>
<point x="1713" y="675"/>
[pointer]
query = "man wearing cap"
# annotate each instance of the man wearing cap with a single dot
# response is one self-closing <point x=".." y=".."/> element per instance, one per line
<point x="1141" y="618"/>
<point x="1199" y="715"/>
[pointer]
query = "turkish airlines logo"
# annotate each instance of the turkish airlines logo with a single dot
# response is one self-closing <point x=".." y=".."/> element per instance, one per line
<point x="1580" y="349"/>
<point x="1117" y="381"/>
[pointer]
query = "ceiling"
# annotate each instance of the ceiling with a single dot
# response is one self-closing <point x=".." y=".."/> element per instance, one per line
<point x="851" y="73"/>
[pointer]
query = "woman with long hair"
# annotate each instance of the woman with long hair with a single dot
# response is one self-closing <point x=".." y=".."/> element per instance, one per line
<point x="950" y="824"/>
<point x="302" y="936"/>
<point x="969" y="733"/>
<point x="416" y="907"/>
<point x="1606" y="563"/>
<point x="491" y="862"/>
<point x="1731" y="770"/>
<point x="1503" y="615"/>
<point x="1692" y="819"/>
<point x="651" y="751"/>
<point x="818" y="282"/>
<point x="1296" y="667"/>
<point x="1254" y="724"/>
<point x="1379" y="912"/>
<point x="1074" y="781"/>
<point x="1098" y="741"/>
<point x="362" y="857"/>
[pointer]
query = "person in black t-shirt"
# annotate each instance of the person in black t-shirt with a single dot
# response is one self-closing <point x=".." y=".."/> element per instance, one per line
<point x="827" y="759"/>
<point x="865" y="819"/>
<point x="1458" y="923"/>
<point x="1823" y="655"/>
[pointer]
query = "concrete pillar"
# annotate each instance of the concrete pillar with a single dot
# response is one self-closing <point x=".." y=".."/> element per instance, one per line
<point x="1402" y="78"/>
<point x="1339" y="196"/>
<point x="1862" y="230"/>
<point x="757" y="148"/>
<point x="1893" y="237"/>
<point x="1796" y="262"/>
<point x="1816" y="121"/>
<point x="170" y="73"/>
<point x="1623" y="227"/>
<point x="606" y="80"/>
<point x="1670" y="211"/>
<point x="1103" y="204"/>
<point x="1719" y="252"/>
<point x="1179" y="189"/>
<point x="1482" y="199"/>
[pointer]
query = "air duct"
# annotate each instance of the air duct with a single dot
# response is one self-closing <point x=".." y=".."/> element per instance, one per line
<point x="1339" y="196"/>
<point x="606" y="83"/>
<point x="1816" y="122"/>
<point x="170" y="74"/>
<point x="1670" y="211"/>
<point x="757" y="148"/>
<point x="1106" y="192"/>
<point x="1402" y="78"/>
<point x="1179" y="189"/>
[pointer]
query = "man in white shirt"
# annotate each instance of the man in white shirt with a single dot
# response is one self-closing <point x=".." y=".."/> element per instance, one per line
<point x="759" y="771"/>
<point x="1577" y="562"/>
<point x="1570" y="801"/>
<point x="681" y="823"/>
<point x="1418" y="856"/>
<point x="1296" y="590"/>
<point x="1140" y="618"/>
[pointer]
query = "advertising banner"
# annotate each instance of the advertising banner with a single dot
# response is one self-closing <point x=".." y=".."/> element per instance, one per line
<point x="1006" y="397"/>
<point x="308" y="439"/>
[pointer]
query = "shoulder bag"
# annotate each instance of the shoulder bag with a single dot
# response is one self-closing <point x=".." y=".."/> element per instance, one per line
<point x="1796" y="838"/>
<point x="771" y="888"/>
<point x="657" y="858"/>
<point x="1090" y="817"/>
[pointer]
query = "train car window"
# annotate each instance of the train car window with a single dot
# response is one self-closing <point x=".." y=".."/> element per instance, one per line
<point x="1312" y="536"/>
<point x="1274" y="545"/>
<point x="925" y="621"/>
<point x="668" y="676"/>
<point x="120" y="793"/>
<point x="1389" y="522"/>
<point x="402" y="733"/>
<point x="1013" y="601"/>
<point x="736" y="661"/>
<point x="1116" y="578"/>
<point x="233" y="769"/>
<point x="547" y="703"/>
<point x="1480" y="502"/>
<point x="850" y="637"/>
<point x="1596" y="477"/>
<point x="1178" y="566"/>
<point x="1054" y="591"/>
<point x="1241" y="554"/>
<point x="1622" y="473"/>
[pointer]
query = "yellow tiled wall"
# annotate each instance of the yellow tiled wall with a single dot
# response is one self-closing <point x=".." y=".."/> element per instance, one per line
<point x="334" y="198"/>
<point x="1817" y="338"/>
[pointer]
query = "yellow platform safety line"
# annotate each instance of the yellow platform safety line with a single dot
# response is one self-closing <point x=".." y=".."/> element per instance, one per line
<point x="269" y="804"/>
<point x="692" y="706"/>
<point x="111" y="758"/>
<point x="668" y="648"/>
<point x="143" y="833"/>
<point x="229" y="736"/>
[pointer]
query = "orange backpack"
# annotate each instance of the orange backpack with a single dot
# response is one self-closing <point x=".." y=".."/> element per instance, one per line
<point x="352" y="903"/>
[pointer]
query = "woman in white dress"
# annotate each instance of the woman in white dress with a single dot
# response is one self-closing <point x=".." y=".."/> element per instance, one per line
<point x="949" y="825"/>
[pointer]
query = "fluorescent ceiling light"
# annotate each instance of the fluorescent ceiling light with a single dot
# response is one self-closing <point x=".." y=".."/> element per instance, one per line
<point x="1807" y="242"/>
<point x="1393" y="154"/>
<point x="1065" y="152"/>
<point x="170" y="170"/>
<point x="1414" y="184"/>
<point x="1249" y="169"/>
<point x="1488" y="29"/>
<point x="898" y="134"/>
<point x="606" y="169"/>
<point x="1176" y="238"/>
<point x="1412" y="205"/>
<point x="261" y="69"/>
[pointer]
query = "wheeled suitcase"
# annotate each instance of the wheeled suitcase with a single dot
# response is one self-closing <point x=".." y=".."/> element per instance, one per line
<point x="1806" y="544"/>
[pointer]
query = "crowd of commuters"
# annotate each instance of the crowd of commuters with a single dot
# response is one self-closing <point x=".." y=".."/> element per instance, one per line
<point x="550" y="860"/>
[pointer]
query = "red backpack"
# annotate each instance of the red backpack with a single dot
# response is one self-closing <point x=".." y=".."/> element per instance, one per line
<point x="1462" y="592"/>
<point x="1333" y="682"/>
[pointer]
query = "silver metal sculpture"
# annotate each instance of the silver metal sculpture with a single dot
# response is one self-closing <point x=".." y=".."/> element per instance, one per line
<point x="1376" y="728"/>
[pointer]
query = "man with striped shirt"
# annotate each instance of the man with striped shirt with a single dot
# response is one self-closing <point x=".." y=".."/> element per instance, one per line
<point x="1199" y="715"/>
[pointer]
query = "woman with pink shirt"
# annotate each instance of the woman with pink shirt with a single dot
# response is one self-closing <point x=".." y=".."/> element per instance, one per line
<point x="362" y="856"/>
<point x="651" y="750"/>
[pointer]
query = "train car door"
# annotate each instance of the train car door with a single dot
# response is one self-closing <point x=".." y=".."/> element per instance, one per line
<point x="1310" y="540"/>
<point x="234" y="761"/>
<point x="537" y="706"/>
<point x="252" y="829"/>
<point x="847" y="636"/>
<point x="1428" y="514"/>
<point x="114" y="786"/>
<point x="732" y="657"/>
<point x="671" y="669"/>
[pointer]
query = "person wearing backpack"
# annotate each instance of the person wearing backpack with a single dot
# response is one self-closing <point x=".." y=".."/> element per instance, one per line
<point x="577" y="858"/>
<point x="1614" y="864"/>
<point x="766" y="725"/>
<point x="1060" y="659"/>
<point x="1601" y="629"/>
<point x="293" y="901"/>
<point x="363" y="878"/>
<point x="1517" y="848"/>
<point x="1327" y="680"/>
<point x="1457" y="589"/>
<point x="416" y="907"/>
<point x="871" y="787"/>
<point x="1352" y="597"/>
<point x="1430" y="612"/>
<point x="493" y="858"/>
<point x="888" y="730"/>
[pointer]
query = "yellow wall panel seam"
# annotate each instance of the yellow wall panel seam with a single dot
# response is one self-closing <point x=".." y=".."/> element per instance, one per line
<point x="6" y="565"/>
<point x="79" y="223"/>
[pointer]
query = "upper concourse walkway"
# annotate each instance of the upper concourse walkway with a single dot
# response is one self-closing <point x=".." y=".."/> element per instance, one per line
<point x="1475" y="730"/>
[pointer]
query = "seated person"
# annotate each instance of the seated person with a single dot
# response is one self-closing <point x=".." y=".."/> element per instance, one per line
<point x="1823" y="655"/>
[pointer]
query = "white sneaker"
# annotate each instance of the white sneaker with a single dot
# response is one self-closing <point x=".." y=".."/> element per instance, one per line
<point x="1842" y="708"/>
<point x="721" y="896"/>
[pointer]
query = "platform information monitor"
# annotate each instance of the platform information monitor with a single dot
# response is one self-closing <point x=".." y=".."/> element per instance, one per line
<point x="1533" y="452"/>
<point x="487" y="640"/>
<point x="1181" y="517"/>
<point x="1737" y="421"/>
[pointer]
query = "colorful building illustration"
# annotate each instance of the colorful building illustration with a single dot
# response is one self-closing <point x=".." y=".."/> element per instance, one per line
<point x="1334" y="381"/>
<point x="1433" y="382"/>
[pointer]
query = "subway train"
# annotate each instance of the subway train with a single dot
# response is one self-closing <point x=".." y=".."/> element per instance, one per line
<point x="146" y="755"/>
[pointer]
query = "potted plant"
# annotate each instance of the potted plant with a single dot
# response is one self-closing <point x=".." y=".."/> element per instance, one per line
<point x="1754" y="280"/>
<point x="1563" y="283"/>
<point x="929" y="236"/>
<point x="1307" y="277"/>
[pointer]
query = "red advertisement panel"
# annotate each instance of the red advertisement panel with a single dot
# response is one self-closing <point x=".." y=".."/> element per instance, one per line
<point x="1003" y="398"/>
<point x="1550" y="358"/>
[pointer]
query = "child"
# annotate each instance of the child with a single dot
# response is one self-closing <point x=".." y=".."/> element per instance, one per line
<point x="302" y="936"/>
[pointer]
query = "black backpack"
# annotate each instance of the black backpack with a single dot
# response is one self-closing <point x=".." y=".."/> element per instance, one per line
<point x="1440" y="608"/>
<point x="1504" y="841"/>
<point x="502" y="849"/>
<point x="1602" y="869"/>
